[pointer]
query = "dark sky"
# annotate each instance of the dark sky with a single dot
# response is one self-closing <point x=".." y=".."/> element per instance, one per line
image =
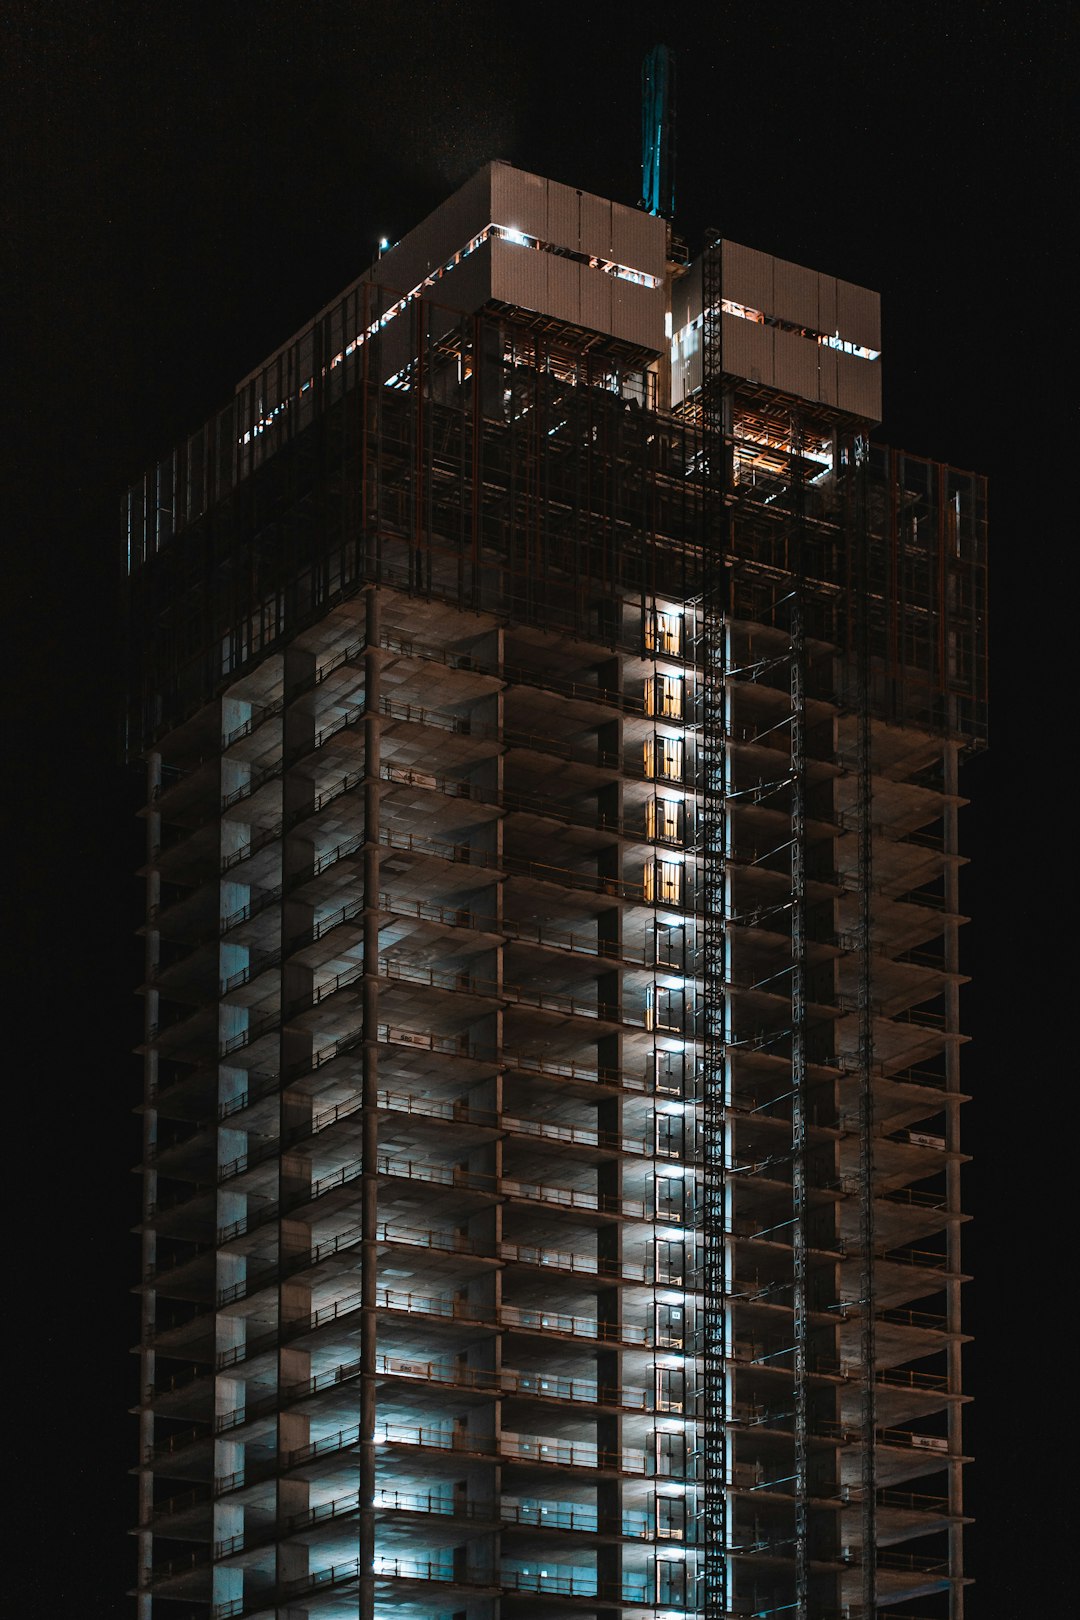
<point x="186" y="186"/>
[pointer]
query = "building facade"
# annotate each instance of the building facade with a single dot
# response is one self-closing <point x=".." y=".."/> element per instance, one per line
<point x="552" y="703"/>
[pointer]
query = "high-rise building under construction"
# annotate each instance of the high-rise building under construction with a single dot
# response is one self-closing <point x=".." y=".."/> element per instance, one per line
<point x="553" y="703"/>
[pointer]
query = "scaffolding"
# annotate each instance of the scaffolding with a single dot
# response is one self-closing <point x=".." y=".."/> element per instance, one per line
<point x="551" y="1037"/>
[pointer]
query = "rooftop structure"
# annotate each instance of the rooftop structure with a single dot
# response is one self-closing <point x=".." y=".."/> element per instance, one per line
<point x="553" y="704"/>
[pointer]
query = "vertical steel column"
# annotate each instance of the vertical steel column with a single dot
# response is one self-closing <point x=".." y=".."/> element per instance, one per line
<point x="712" y="767"/>
<point x="148" y="1304"/>
<point x="799" y="1101"/>
<point x="864" y="807"/>
<point x="954" y="1248"/>
<point x="369" y="1210"/>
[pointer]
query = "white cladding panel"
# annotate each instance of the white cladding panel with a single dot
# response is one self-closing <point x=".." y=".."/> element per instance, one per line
<point x="748" y="349"/>
<point x="574" y="293"/>
<point x="520" y="275"/>
<point x="827" y="359"/>
<point x="747" y="277"/>
<point x="858" y="315"/>
<point x="795" y="294"/>
<point x="519" y="201"/>
<point x="434" y="242"/>
<point x="637" y="313"/>
<point x="826" y="317"/>
<point x="595" y="233"/>
<point x="561" y="216"/>
<point x="686" y="298"/>
<point x="467" y="285"/>
<point x="594" y="290"/>
<point x="795" y="364"/>
<point x="638" y="239"/>
<point x="686" y="363"/>
<point x="790" y="295"/>
<point x="859" y="386"/>
<point x="556" y="215"/>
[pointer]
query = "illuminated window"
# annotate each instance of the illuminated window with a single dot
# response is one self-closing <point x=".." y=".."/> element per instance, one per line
<point x="670" y="1261"/>
<point x="670" y="1443"/>
<point x="663" y="883"/>
<point x="664" y="757"/>
<point x="669" y="1072"/>
<point x="664" y="696"/>
<point x="670" y="1206"/>
<point x="662" y="820"/>
<point x="663" y="1006"/>
<point x="670" y="1518"/>
<point x="663" y="631"/>
<point x="670" y="1330"/>
<point x="670" y="1389"/>
<point x="669" y="1135"/>
<point x="670" y="1580"/>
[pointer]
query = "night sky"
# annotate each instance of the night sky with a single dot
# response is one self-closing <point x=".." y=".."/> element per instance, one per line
<point x="184" y="189"/>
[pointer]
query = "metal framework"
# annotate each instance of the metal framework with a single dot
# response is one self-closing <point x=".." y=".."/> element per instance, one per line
<point x="800" y="1238"/>
<point x="433" y="778"/>
<point x="712" y="784"/>
<point x="864" y="944"/>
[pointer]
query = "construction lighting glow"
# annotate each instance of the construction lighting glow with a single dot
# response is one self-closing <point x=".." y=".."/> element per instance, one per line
<point x="621" y="272"/>
<point x="828" y="340"/>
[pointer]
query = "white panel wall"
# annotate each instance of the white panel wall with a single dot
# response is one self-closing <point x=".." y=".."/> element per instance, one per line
<point x="595" y="289"/>
<point x="795" y="294"/>
<point x="563" y="223"/>
<point x="553" y="213"/>
<point x="438" y="238"/>
<point x="748" y="349"/>
<point x="859" y="386"/>
<point x="858" y="314"/>
<point x="826" y="316"/>
<point x="827" y="385"/>
<point x="796" y="363"/>
<point x="748" y="276"/>
<point x="638" y="240"/>
<point x="519" y="200"/>
<point x="767" y="354"/>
